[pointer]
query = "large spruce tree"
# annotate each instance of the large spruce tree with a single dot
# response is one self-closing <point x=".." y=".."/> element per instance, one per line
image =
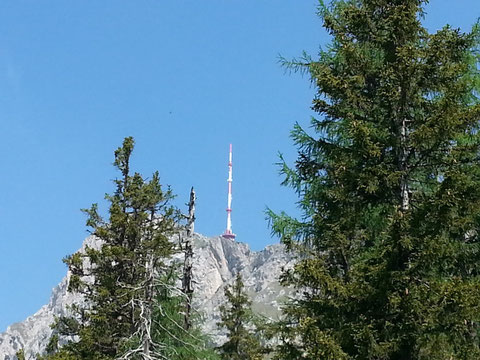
<point x="133" y="306"/>
<point x="388" y="179"/>
<point x="121" y="277"/>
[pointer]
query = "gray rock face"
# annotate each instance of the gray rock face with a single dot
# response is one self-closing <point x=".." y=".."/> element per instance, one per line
<point x="216" y="262"/>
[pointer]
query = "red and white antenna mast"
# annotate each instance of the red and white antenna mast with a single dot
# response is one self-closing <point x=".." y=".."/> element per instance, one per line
<point x="228" y="232"/>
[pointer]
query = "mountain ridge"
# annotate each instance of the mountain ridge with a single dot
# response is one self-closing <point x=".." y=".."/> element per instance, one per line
<point x="216" y="262"/>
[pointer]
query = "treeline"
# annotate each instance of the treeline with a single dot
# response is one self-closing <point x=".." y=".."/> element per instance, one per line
<point x="388" y="248"/>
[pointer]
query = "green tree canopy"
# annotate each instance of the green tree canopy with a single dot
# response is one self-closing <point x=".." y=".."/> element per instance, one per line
<point x="243" y="340"/>
<point x="388" y="179"/>
<point x="134" y="248"/>
<point x="133" y="307"/>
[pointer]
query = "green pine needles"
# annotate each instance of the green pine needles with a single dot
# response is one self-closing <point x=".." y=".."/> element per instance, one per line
<point x="244" y="340"/>
<point x="388" y="180"/>
<point x="133" y="308"/>
<point x="388" y="247"/>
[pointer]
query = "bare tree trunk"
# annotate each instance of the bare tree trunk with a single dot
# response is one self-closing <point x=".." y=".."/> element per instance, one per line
<point x="403" y="148"/>
<point x="404" y="194"/>
<point x="146" y="308"/>
<point x="187" y="284"/>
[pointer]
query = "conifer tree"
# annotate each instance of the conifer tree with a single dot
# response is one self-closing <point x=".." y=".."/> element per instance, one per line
<point x="133" y="306"/>
<point x="124" y="272"/>
<point x="388" y="180"/>
<point x="243" y="342"/>
<point x="168" y="326"/>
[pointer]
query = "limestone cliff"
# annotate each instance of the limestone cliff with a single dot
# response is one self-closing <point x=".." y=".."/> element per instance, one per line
<point x="216" y="261"/>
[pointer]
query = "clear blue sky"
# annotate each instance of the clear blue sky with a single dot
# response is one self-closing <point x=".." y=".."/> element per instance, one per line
<point x="184" y="78"/>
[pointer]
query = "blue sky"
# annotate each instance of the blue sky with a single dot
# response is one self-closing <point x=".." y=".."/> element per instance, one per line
<point x="184" y="78"/>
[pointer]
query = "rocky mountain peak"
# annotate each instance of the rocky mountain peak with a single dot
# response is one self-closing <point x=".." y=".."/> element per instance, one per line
<point x="216" y="262"/>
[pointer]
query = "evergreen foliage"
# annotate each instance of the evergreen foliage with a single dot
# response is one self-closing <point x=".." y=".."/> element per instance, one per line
<point x="243" y="340"/>
<point x="168" y="326"/>
<point x="20" y="355"/>
<point x="132" y="307"/>
<point x="388" y="180"/>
